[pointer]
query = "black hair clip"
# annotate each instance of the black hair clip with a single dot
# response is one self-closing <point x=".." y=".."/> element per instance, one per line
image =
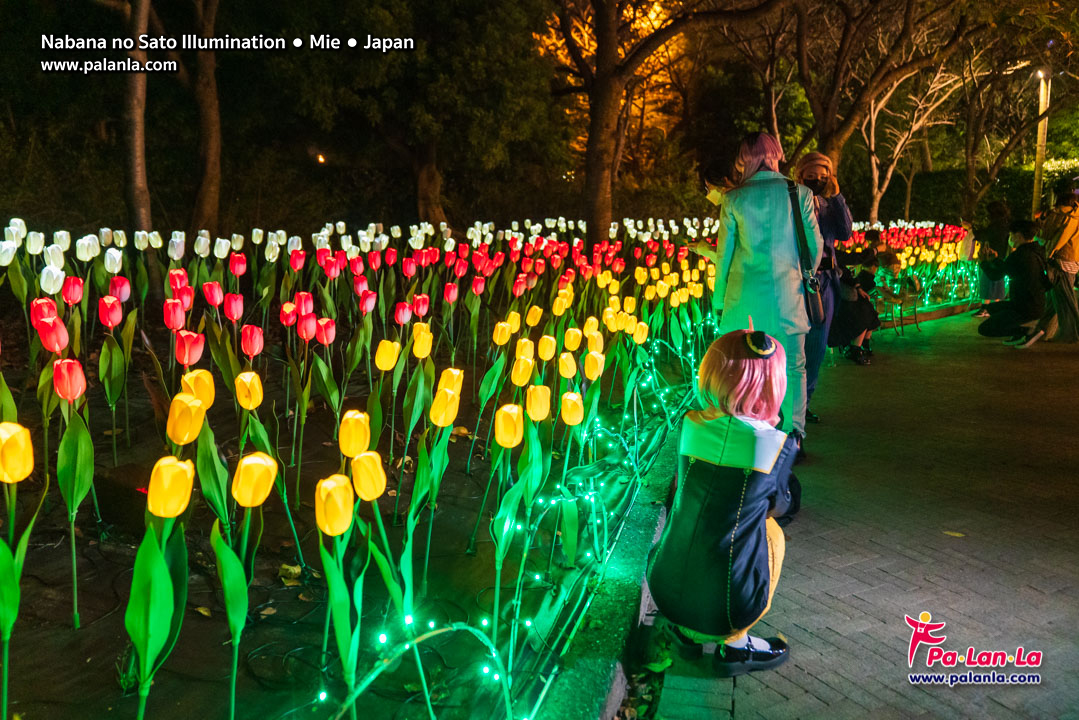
<point x="760" y="344"/>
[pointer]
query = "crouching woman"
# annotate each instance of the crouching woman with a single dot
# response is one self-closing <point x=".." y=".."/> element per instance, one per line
<point x="714" y="571"/>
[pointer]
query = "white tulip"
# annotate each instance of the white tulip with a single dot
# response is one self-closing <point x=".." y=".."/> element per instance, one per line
<point x="202" y="246"/>
<point x="346" y="242"/>
<point x="340" y="227"/>
<point x="105" y="236"/>
<point x="256" y="236"/>
<point x="294" y="243"/>
<point x="364" y="242"/>
<point x="62" y="238"/>
<point x="142" y="240"/>
<point x="54" y="256"/>
<point x="383" y="242"/>
<point x="327" y="229"/>
<point x="52" y="280"/>
<point x="582" y="226"/>
<point x="221" y="248"/>
<point x="280" y="237"/>
<point x="84" y="251"/>
<point x="119" y="238"/>
<point x="395" y="231"/>
<point x="372" y="230"/>
<point x="273" y="251"/>
<point x="176" y="247"/>
<point x="449" y="245"/>
<point x="319" y="240"/>
<point x="237" y="242"/>
<point x="20" y="227"/>
<point x="352" y="252"/>
<point x="7" y="252"/>
<point x="114" y="260"/>
<point x="35" y="243"/>
<point x="416" y="241"/>
<point x="156" y="241"/>
<point x="11" y="235"/>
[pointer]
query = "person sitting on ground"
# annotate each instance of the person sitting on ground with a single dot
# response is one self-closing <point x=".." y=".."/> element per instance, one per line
<point x="856" y="317"/>
<point x="1060" y="232"/>
<point x="1025" y="268"/>
<point x="715" y="569"/>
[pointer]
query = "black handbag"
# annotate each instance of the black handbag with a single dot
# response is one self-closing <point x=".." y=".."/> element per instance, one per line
<point x="810" y="283"/>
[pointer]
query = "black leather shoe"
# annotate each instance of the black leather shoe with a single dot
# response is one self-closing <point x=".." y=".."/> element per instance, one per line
<point x="731" y="662"/>
<point x="812" y="417"/>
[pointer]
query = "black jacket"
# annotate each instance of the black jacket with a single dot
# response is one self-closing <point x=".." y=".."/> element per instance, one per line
<point x="1025" y="268"/>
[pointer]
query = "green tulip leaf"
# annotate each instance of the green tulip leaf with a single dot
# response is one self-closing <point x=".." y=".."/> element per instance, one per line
<point x="356" y="343"/>
<point x="505" y="520"/>
<point x="8" y="409"/>
<point x="112" y="369"/>
<point x="233" y="582"/>
<point x="174" y="553"/>
<point x="17" y="279"/>
<point x="569" y="527"/>
<point x="127" y="335"/>
<point x="213" y="474"/>
<point x="10" y="593"/>
<point x="142" y="280"/>
<point x="417" y="399"/>
<point x="325" y="385"/>
<point x="340" y="604"/>
<point x="530" y="464"/>
<point x="490" y="381"/>
<point x="150" y="606"/>
<point x="385" y="569"/>
<point x="374" y="414"/>
<point x="223" y="355"/>
<point x="75" y="463"/>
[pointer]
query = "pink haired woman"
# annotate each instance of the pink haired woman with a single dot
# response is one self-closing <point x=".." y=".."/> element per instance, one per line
<point x="715" y="569"/>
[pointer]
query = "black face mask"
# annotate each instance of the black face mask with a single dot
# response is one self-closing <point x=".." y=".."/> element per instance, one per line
<point x="817" y="185"/>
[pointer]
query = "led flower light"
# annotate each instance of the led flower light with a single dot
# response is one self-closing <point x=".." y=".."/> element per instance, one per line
<point x="334" y="500"/>
<point x="354" y="435"/>
<point x="199" y="383"/>
<point x="445" y="406"/>
<point x="248" y="386"/>
<point x="509" y="426"/>
<point x="169" y="491"/>
<point x="538" y="402"/>
<point x="254" y="479"/>
<point x="386" y="355"/>
<point x="186" y="415"/>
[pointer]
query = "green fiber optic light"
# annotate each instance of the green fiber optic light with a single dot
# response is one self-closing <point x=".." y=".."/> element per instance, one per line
<point x="537" y="576"/>
<point x="408" y="619"/>
<point x="382" y="638"/>
<point x="483" y="622"/>
<point x="431" y="624"/>
<point x="486" y="670"/>
<point x="496" y="676"/>
<point x="528" y="623"/>
<point x="322" y="696"/>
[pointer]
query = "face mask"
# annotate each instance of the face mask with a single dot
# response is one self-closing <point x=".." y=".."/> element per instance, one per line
<point x="817" y="185"/>
<point x="714" y="196"/>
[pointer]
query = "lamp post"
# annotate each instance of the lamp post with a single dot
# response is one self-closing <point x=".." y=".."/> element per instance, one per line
<point x="1044" y="86"/>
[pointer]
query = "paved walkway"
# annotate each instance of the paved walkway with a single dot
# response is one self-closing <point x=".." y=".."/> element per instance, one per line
<point x="944" y="478"/>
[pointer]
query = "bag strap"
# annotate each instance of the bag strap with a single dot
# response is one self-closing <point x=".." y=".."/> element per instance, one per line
<point x="800" y="231"/>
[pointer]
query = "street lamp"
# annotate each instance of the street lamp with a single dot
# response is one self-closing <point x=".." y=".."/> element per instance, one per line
<point x="1045" y="81"/>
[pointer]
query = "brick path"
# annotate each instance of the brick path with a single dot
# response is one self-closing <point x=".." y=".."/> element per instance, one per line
<point x="946" y="432"/>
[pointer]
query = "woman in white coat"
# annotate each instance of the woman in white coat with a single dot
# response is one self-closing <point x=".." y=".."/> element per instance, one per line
<point x="758" y="273"/>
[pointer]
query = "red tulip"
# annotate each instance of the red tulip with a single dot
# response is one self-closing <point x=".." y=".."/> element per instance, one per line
<point x="251" y="340"/>
<point x="213" y="293"/>
<point x="556" y="262"/>
<point x="237" y="264"/>
<point x="421" y="303"/>
<point x="432" y="255"/>
<point x="120" y="288"/>
<point x="174" y="314"/>
<point x="305" y="303"/>
<point x="449" y="293"/>
<point x="110" y="311"/>
<point x="451" y="258"/>
<point x="341" y="258"/>
<point x="408" y="267"/>
<point x="288" y="314"/>
<point x="402" y="313"/>
<point x="356" y="265"/>
<point x="189" y="346"/>
<point x="68" y="379"/>
<point x="391" y="256"/>
<point x="71" y="291"/>
<point x="368" y="298"/>
<point x="234" y="306"/>
<point x="519" y="286"/>
<point x="374" y="259"/>
<point x="296" y="259"/>
<point x="42" y="309"/>
<point x="332" y="269"/>
<point x="307" y="327"/>
<point x="460" y="268"/>
<point x="477" y="285"/>
<point x="53" y="334"/>
<point x="325" y="330"/>
<point x="177" y="279"/>
<point x="462" y="250"/>
<point x="322" y="256"/>
<point x="526" y="264"/>
<point x="186" y="296"/>
<point x="359" y="284"/>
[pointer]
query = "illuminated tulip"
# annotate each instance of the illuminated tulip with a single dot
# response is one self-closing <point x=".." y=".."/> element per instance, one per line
<point x="53" y="334"/>
<point x="640" y="275"/>
<point x="234" y="306"/>
<point x="595" y="342"/>
<point x="368" y="476"/>
<point x="296" y="260"/>
<point x="248" y="387"/>
<point x="444" y="407"/>
<point x="591" y="325"/>
<point x="546" y="348"/>
<point x="538" y="402"/>
<point x="535" y="314"/>
<point x="71" y="291"/>
<point x="558" y="309"/>
<point x="662" y="289"/>
<point x="386" y="355"/>
<point x="51" y="280"/>
<point x="68" y="379"/>
<point x="514" y="321"/>
<point x="177" y="279"/>
<point x="170" y="486"/>
<point x="421" y="340"/>
<point x="254" y="479"/>
<point x="567" y="366"/>
<point x="304" y="302"/>
<point x="630" y="305"/>
<point x="521" y="374"/>
<point x="572" y="340"/>
<point x="186" y="296"/>
<point x="288" y="314"/>
<point x="325" y="331"/>
<point x="367" y="301"/>
<point x="478" y="284"/>
<point x="509" y="426"/>
<point x="614" y="303"/>
<point x="189" y="347"/>
<point x="593" y="365"/>
<point x="334" y="501"/>
<point x="525" y="349"/>
<point x="449" y="293"/>
<point x="572" y="408"/>
<point x="237" y="264"/>
<point x="354" y="435"/>
<point x="120" y="288"/>
<point x="452" y="379"/>
<point x="251" y="340"/>
<point x="501" y="334"/>
<point x="213" y="293"/>
<point x="199" y="383"/>
<point x="402" y="313"/>
<point x="174" y="314"/>
<point x="16" y="453"/>
<point x="307" y="327"/>
<point x="640" y="333"/>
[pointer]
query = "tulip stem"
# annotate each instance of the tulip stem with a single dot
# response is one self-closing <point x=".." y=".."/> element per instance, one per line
<point x="244" y="533"/>
<point x="74" y="574"/>
<point x="232" y="680"/>
<point x="423" y="682"/>
<point x="144" y="692"/>
<point x="3" y="692"/>
<point x="10" y="490"/>
<point x="385" y="540"/>
<point x="127" y="417"/>
<point x="113" y="408"/>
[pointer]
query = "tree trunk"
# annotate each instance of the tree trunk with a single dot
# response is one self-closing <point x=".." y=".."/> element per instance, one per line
<point x="138" y="187"/>
<point x="910" y="189"/>
<point x="429" y="186"/>
<point x="604" y="109"/>
<point x="208" y="198"/>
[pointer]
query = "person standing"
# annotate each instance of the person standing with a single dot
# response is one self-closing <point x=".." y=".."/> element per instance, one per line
<point x="758" y="270"/>
<point x="815" y="171"/>
<point x="994" y="238"/>
<point x="1060" y="231"/>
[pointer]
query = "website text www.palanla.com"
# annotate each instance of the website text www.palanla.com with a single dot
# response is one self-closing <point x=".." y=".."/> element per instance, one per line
<point x="107" y="66"/>
<point x="974" y="678"/>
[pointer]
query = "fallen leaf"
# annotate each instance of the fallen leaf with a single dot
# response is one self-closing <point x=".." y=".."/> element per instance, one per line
<point x="268" y="611"/>
<point x="204" y="611"/>
<point x="391" y="493"/>
<point x="289" y="572"/>
<point x="304" y="597"/>
<point x="291" y="582"/>
<point x="953" y="533"/>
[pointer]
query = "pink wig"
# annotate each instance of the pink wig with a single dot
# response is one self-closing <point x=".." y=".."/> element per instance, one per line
<point x="738" y="381"/>
<point x="759" y="151"/>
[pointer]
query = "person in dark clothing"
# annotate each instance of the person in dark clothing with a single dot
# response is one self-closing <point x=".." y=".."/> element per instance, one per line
<point x="993" y="237"/>
<point x="856" y="317"/>
<point x="1025" y="268"/>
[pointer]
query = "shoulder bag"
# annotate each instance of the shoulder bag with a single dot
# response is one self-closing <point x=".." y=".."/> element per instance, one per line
<point x="810" y="283"/>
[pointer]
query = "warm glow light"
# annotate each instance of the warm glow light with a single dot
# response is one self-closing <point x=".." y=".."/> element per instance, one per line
<point x="1041" y="74"/>
<point x="321" y="159"/>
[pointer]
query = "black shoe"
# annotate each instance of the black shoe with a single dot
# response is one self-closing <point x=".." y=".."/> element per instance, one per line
<point x="731" y="662"/>
<point x="813" y="417"/>
<point x="867" y="351"/>
<point x="800" y="456"/>
<point x="857" y="355"/>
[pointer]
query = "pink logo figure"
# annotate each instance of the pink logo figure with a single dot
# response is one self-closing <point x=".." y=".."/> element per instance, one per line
<point x="922" y="633"/>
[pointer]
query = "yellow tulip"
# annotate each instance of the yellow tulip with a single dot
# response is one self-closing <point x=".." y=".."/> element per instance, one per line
<point x="521" y="374"/>
<point x="501" y="334"/>
<point x="16" y="453"/>
<point x="525" y="349"/>
<point x="697" y="290"/>
<point x="595" y="342"/>
<point x="368" y="476"/>
<point x="683" y="294"/>
<point x="333" y="505"/>
<point x="711" y="271"/>
<point x="386" y="355"/>
<point x="538" y="402"/>
<point x="630" y="305"/>
<point x="608" y="313"/>
<point x="199" y="383"/>
<point x="354" y="435"/>
<point x="695" y="275"/>
<point x="509" y="426"/>
<point x="612" y="321"/>
<point x="567" y="366"/>
<point x="593" y="365"/>
<point x="591" y="325"/>
<point x="546" y="348"/>
<point x="662" y="289"/>
<point x="444" y="407"/>
<point x="254" y="479"/>
<point x="675" y="300"/>
<point x="186" y="415"/>
<point x="701" y="263"/>
<point x="683" y="264"/>
<point x="665" y="268"/>
<point x="615" y="287"/>
<point x="640" y="334"/>
<point x="421" y="340"/>
<point x="169" y="492"/>
<point x="614" y="303"/>
<point x="572" y="408"/>
<point x="573" y="339"/>
<point x="603" y="278"/>
<point x="248" y="390"/>
<point x="686" y="276"/>
<point x="653" y="273"/>
<point x="514" y="321"/>
<point x="535" y="314"/>
<point x="558" y="309"/>
<point x="640" y="275"/>
<point x="452" y="379"/>
<point x="712" y="283"/>
<point x="650" y="293"/>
